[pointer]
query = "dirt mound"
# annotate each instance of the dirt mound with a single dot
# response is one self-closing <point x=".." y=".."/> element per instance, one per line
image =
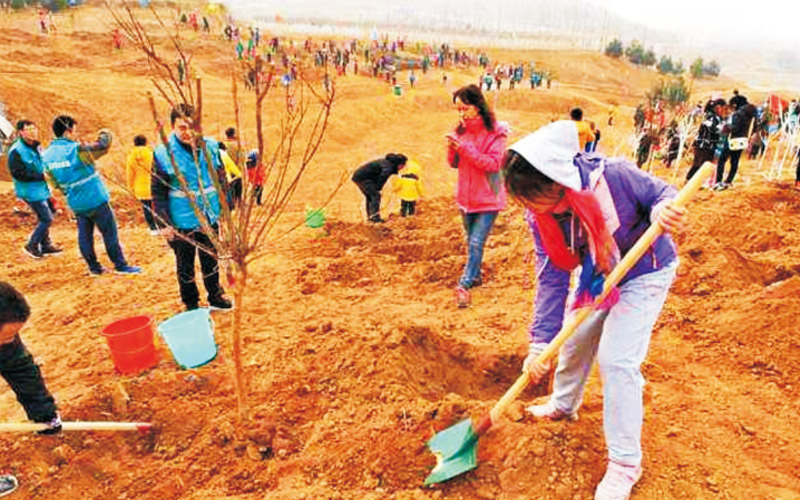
<point x="756" y="268"/>
<point x="355" y="351"/>
<point x="52" y="59"/>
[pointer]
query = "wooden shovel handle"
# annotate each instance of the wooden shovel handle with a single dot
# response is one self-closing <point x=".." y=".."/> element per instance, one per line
<point x="614" y="277"/>
<point x="77" y="426"/>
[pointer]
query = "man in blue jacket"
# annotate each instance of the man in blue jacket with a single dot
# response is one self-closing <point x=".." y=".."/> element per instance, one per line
<point x="70" y="165"/>
<point x="27" y="171"/>
<point x="176" y="208"/>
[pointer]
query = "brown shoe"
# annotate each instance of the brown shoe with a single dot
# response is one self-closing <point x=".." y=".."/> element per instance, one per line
<point x="462" y="297"/>
<point x="50" y="249"/>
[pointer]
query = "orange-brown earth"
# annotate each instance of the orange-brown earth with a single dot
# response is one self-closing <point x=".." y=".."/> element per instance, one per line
<point x="354" y="350"/>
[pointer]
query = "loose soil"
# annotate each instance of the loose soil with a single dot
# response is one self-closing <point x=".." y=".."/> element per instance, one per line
<point x="355" y="352"/>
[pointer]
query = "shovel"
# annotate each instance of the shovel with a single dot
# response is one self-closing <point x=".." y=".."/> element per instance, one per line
<point x="142" y="427"/>
<point x="456" y="447"/>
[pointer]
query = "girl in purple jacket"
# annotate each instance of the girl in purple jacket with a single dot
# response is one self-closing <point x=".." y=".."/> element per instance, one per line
<point x="585" y="210"/>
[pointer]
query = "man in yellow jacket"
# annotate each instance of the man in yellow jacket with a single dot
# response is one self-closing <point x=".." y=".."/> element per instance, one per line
<point x="139" y="166"/>
<point x="409" y="188"/>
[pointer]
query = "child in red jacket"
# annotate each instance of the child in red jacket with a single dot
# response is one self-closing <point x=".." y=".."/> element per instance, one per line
<point x="256" y="174"/>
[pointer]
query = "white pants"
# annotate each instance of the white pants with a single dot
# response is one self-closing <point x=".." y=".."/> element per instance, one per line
<point x="619" y="339"/>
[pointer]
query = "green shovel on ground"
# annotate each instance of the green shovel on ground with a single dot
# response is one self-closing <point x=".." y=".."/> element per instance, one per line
<point x="456" y="447"/>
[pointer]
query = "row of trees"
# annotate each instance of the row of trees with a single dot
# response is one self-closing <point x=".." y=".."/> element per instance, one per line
<point x="49" y="4"/>
<point x="700" y="69"/>
<point x="672" y="92"/>
<point x="638" y="55"/>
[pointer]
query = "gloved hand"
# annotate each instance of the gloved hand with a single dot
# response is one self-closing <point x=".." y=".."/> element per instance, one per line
<point x="536" y="370"/>
<point x="53" y="425"/>
<point x="104" y="135"/>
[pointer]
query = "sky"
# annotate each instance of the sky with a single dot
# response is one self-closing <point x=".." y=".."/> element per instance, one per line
<point x="707" y="20"/>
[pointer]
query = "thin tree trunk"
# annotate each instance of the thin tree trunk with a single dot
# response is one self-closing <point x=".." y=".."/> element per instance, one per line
<point x="259" y="131"/>
<point x="241" y="389"/>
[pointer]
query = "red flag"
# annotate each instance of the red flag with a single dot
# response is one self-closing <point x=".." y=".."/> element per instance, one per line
<point x="776" y="104"/>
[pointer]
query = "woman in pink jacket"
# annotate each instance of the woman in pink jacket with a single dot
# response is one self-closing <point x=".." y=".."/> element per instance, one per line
<point x="476" y="149"/>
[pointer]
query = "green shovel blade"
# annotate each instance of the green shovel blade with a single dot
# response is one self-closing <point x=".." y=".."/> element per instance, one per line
<point x="456" y="450"/>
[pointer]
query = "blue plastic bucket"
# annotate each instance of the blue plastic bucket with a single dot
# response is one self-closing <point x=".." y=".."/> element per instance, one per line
<point x="190" y="337"/>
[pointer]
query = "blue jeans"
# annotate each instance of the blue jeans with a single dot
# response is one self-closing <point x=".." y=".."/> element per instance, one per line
<point x="619" y="339"/>
<point x="103" y="218"/>
<point x="42" y="232"/>
<point x="477" y="225"/>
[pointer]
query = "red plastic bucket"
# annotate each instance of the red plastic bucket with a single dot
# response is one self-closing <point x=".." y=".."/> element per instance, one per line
<point x="131" y="344"/>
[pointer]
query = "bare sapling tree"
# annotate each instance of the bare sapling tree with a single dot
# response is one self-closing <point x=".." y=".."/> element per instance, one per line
<point x="245" y="225"/>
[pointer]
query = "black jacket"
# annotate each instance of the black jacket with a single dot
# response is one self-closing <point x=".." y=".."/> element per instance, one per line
<point x="709" y="133"/>
<point x="19" y="170"/>
<point x="740" y="121"/>
<point x="22" y="374"/>
<point x="377" y="172"/>
<point x="738" y="101"/>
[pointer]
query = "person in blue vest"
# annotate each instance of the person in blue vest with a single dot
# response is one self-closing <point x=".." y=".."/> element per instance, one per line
<point x="27" y="172"/>
<point x="70" y="165"/>
<point x="175" y="209"/>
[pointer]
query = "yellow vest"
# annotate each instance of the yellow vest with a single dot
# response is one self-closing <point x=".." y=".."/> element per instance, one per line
<point x="139" y="167"/>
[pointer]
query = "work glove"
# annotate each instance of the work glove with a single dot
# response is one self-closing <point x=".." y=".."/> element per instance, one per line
<point x="105" y="136"/>
<point x="53" y="425"/>
<point x="536" y="370"/>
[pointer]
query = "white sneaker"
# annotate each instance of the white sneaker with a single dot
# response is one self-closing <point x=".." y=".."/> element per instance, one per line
<point x="549" y="411"/>
<point x="618" y="482"/>
<point x="8" y="484"/>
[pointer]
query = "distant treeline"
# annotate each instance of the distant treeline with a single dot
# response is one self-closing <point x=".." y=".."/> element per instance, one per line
<point x="54" y="5"/>
<point x="638" y="55"/>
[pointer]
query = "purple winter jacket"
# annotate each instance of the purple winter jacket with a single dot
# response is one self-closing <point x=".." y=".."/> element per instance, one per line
<point x="627" y="196"/>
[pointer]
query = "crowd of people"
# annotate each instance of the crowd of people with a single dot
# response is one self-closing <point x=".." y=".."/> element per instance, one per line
<point x="379" y="57"/>
<point x="546" y="172"/>
<point x="514" y="73"/>
<point x="583" y="211"/>
<point x="69" y="166"/>
<point x="723" y="135"/>
<point x="725" y="131"/>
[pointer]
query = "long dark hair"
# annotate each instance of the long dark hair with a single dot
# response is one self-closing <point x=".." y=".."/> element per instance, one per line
<point x="523" y="180"/>
<point x="471" y="94"/>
